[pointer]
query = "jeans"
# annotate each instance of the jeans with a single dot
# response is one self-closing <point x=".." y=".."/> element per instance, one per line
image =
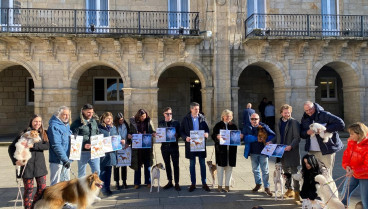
<point x="168" y="151"/>
<point x="353" y="185"/>
<point x="192" y="170"/>
<point x="105" y="176"/>
<point x="147" y="174"/>
<point x="58" y="173"/>
<point x="93" y="163"/>
<point x="260" y="161"/>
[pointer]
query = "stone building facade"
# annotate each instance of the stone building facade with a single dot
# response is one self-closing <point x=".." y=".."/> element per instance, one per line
<point x="225" y="66"/>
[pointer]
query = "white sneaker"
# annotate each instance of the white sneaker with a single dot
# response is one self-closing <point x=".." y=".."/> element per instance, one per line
<point x="69" y="206"/>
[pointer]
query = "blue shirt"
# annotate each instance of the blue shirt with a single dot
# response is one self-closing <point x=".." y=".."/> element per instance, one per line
<point x="195" y="121"/>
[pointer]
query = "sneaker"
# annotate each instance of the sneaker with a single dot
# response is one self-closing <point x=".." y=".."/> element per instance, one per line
<point x="168" y="185"/>
<point x="192" y="188"/>
<point x="227" y="189"/>
<point x="206" y="188"/>
<point x="268" y="192"/>
<point x="69" y="206"/>
<point x="177" y="187"/>
<point x="257" y="187"/>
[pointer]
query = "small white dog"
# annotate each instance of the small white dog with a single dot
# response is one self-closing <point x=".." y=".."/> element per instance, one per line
<point x="298" y="176"/>
<point x="278" y="180"/>
<point x="155" y="174"/>
<point x="327" y="195"/>
<point x="321" y="130"/>
<point x="22" y="152"/>
<point x="316" y="204"/>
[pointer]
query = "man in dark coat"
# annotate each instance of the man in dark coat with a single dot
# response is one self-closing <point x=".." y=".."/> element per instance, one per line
<point x="324" y="152"/>
<point x="288" y="133"/>
<point x="195" y="121"/>
<point x="261" y="109"/>
<point x="247" y="112"/>
<point x="171" y="149"/>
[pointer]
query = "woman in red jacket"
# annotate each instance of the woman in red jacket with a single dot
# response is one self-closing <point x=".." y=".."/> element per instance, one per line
<point x="355" y="162"/>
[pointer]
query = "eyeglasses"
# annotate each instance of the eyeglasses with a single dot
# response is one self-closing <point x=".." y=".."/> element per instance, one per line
<point x="168" y="113"/>
<point x="309" y="110"/>
<point x="254" y="118"/>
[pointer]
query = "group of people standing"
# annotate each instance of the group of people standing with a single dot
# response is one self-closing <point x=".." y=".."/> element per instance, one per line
<point x="288" y="131"/>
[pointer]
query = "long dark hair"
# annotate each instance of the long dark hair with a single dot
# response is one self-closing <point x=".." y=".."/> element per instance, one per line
<point x="313" y="162"/>
<point x="41" y="130"/>
<point x="139" y="114"/>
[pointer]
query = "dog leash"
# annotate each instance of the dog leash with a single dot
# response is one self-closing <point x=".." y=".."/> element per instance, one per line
<point x="71" y="171"/>
<point x="19" y="185"/>
<point x="336" y="188"/>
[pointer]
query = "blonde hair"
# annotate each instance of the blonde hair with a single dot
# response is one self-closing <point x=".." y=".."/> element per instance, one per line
<point x="105" y="115"/>
<point x="226" y="112"/>
<point x="286" y="107"/>
<point x="360" y="129"/>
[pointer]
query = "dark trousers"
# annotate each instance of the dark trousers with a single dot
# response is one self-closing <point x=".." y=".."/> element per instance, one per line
<point x="270" y="121"/>
<point x="173" y="152"/>
<point x="138" y="174"/>
<point x="123" y="170"/>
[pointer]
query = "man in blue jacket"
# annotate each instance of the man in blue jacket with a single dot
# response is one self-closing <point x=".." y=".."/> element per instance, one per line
<point x="59" y="137"/>
<point x="324" y="152"/>
<point x="254" y="148"/>
<point x="195" y="121"/>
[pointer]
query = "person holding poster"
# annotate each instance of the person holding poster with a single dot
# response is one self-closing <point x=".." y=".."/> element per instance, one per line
<point x="254" y="147"/>
<point x="107" y="128"/>
<point x="86" y="126"/>
<point x="288" y="133"/>
<point x="141" y="124"/>
<point x="59" y="138"/>
<point x="195" y="121"/>
<point x="225" y="155"/>
<point x="171" y="149"/>
<point x="123" y="130"/>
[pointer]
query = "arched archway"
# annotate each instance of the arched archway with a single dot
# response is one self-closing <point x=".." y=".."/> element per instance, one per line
<point x="178" y="86"/>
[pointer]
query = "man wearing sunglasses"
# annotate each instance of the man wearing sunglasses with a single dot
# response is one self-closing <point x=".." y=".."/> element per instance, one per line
<point x="254" y="148"/>
<point x="171" y="149"/>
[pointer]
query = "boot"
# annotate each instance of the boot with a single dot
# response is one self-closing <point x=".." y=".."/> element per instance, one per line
<point x="268" y="192"/>
<point x="117" y="186"/>
<point x="289" y="193"/>
<point x="257" y="187"/>
<point x="297" y="199"/>
<point x="227" y="189"/>
<point x="219" y="188"/>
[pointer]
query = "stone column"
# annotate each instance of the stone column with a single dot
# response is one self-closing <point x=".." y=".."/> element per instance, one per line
<point x="235" y="104"/>
<point x="207" y="97"/>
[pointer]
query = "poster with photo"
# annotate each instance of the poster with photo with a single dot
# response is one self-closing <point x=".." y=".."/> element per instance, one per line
<point x="230" y="137"/>
<point x="161" y="135"/>
<point x="279" y="151"/>
<point x="170" y="134"/>
<point x="124" y="157"/>
<point x="269" y="149"/>
<point x="197" y="141"/>
<point x="97" y="146"/>
<point x="141" y="141"/>
<point x="107" y="145"/>
<point x="75" y="147"/>
<point x="225" y="137"/>
<point x="116" y="142"/>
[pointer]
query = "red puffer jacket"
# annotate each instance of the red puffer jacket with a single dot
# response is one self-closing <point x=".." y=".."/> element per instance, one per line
<point x="356" y="157"/>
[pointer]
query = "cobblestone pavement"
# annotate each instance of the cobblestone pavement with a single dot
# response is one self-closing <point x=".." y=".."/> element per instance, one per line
<point x="240" y="195"/>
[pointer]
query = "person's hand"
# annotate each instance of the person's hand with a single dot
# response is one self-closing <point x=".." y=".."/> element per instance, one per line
<point x="19" y="163"/>
<point x="87" y="146"/>
<point x="29" y="146"/>
<point x="187" y="139"/>
<point x="129" y="136"/>
<point x="126" y="146"/>
<point x="24" y="143"/>
<point x="153" y="134"/>
<point x="288" y="148"/>
<point x="205" y="135"/>
<point x="218" y="136"/>
<point x="67" y="165"/>
<point x="122" y="141"/>
<point x="349" y="171"/>
<point x="241" y="136"/>
<point x="267" y="143"/>
<point x="310" y="132"/>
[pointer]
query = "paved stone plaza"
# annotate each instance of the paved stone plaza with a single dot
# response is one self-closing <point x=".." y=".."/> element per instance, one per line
<point x="240" y="195"/>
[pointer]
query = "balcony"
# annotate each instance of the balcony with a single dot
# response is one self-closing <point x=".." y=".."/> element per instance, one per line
<point x="308" y="25"/>
<point x="98" y="22"/>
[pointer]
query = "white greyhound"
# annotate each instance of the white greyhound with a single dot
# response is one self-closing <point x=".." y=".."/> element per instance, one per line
<point x="278" y="180"/>
<point x="155" y="174"/>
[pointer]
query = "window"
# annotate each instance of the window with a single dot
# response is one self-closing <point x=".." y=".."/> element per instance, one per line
<point x="97" y="16"/>
<point x="329" y="17"/>
<point x="328" y="89"/>
<point x="178" y="16"/>
<point x="257" y="9"/>
<point x="29" y="91"/>
<point x="9" y="15"/>
<point x="108" y="90"/>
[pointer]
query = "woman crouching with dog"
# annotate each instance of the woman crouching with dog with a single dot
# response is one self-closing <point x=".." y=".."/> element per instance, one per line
<point x="355" y="162"/>
<point x="36" y="166"/>
<point x="225" y="155"/>
<point x="310" y="169"/>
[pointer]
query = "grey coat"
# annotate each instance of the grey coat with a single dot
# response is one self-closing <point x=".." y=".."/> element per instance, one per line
<point x="291" y="137"/>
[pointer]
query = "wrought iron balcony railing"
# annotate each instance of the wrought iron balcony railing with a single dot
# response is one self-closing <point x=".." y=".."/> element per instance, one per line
<point x="306" y="25"/>
<point x="98" y="21"/>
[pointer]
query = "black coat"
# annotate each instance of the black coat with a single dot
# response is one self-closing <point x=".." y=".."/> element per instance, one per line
<point x="221" y="150"/>
<point x="186" y="126"/>
<point x="168" y="145"/>
<point x="36" y="166"/>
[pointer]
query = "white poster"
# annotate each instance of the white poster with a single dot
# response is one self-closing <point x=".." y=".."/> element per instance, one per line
<point x="97" y="146"/>
<point x="166" y="134"/>
<point x="124" y="157"/>
<point x="75" y="147"/>
<point x="269" y="149"/>
<point x="161" y="135"/>
<point x="197" y="142"/>
<point x="230" y="137"/>
<point x="107" y="145"/>
<point x="141" y="141"/>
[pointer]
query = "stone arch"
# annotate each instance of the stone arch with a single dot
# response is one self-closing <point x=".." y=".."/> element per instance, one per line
<point x="200" y="70"/>
<point x="33" y="70"/>
<point x="79" y="68"/>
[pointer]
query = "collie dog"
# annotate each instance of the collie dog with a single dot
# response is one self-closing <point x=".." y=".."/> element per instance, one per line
<point x="82" y="192"/>
<point x="22" y="152"/>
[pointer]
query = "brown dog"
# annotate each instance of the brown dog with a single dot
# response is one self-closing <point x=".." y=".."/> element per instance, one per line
<point x="213" y="171"/>
<point x="262" y="134"/>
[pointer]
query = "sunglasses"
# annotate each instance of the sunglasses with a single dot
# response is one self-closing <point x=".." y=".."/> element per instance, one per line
<point x="168" y="113"/>
<point x="254" y="118"/>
